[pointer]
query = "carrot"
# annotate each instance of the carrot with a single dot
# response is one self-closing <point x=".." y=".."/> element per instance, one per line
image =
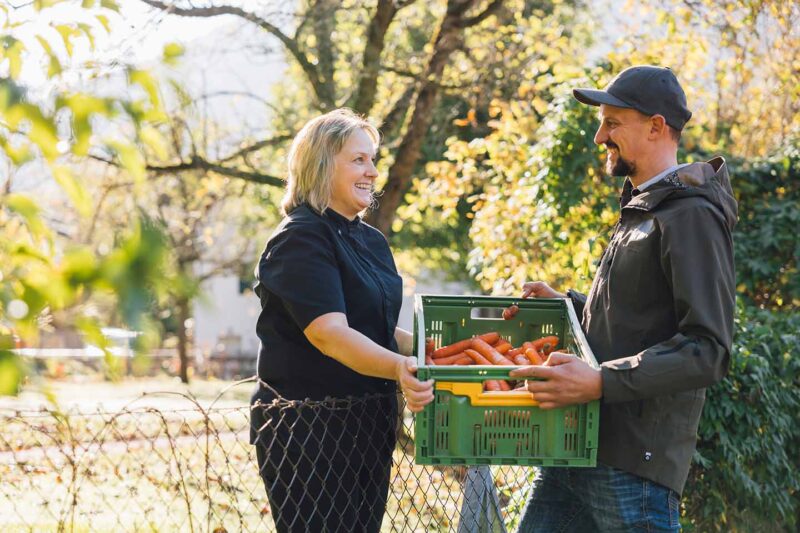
<point x="491" y="338"/>
<point x="489" y="352"/>
<point x="513" y="352"/>
<point x="527" y="345"/>
<point x="491" y="385"/>
<point x="477" y="358"/>
<point x="510" y="311"/>
<point x="429" y="346"/>
<point x="533" y="356"/>
<point x="460" y="346"/>
<point x="504" y="385"/>
<point x="503" y="347"/>
<point x="521" y="360"/>
<point x="457" y="359"/>
<point x="428" y="360"/>
<point x="539" y="344"/>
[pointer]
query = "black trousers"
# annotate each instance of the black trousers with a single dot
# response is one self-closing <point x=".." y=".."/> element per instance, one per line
<point x="326" y="465"/>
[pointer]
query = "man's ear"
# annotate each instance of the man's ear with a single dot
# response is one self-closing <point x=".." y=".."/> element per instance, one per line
<point x="658" y="127"/>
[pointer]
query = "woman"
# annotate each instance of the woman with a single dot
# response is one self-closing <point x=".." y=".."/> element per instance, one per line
<point x="330" y="298"/>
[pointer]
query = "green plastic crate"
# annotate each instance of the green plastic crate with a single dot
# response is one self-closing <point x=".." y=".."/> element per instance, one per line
<point x="453" y="431"/>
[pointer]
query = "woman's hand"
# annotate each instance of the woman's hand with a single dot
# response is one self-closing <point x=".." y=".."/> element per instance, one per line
<point x="418" y="393"/>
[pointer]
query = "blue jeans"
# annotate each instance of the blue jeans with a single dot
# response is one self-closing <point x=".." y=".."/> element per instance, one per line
<point x="603" y="498"/>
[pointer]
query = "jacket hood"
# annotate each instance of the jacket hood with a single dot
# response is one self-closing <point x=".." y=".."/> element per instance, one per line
<point x="709" y="180"/>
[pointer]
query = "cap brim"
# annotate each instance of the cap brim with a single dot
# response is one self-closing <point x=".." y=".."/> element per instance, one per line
<point x="596" y="98"/>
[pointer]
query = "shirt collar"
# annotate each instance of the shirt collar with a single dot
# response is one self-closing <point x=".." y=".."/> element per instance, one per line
<point x="658" y="177"/>
<point x="341" y="220"/>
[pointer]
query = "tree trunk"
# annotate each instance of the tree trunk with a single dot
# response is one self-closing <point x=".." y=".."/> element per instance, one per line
<point x="376" y="39"/>
<point x="449" y="38"/>
<point x="183" y="339"/>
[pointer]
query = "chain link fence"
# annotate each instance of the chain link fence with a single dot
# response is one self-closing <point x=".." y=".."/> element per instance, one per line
<point x="326" y="466"/>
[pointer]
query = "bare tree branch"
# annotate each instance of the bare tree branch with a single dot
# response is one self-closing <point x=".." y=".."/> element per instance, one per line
<point x="320" y="88"/>
<point x="198" y="163"/>
<point x="256" y="146"/>
<point x="396" y="116"/>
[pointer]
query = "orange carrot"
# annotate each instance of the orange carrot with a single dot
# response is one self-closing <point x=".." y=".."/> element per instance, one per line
<point x="477" y="358"/>
<point x="504" y="385"/>
<point x="460" y="346"/>
<point x="539" y="344"/>
<point x="503" y="347"/>
<point x="491" y="385"/>
<point x="457" y="359"/>
<point x="533" y="356"/>
<point x="510" y="311"/>
<point x="489" y="352"/>
<point x="513" y="352"/>
<point x="521" y="360"/>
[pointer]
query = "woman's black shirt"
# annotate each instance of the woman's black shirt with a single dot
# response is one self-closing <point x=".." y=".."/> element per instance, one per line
<point x="312" y="265"/>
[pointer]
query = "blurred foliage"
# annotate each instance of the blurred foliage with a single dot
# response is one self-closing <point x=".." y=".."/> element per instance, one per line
<point x="506" y="90"/>
<point x="738" y="59"/>
<point x="766" y="239"/>
<point x="745" y="471"/>
<point x="40" y="276"/>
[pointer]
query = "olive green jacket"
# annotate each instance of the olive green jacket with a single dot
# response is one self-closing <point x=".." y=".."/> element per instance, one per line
<point x="659" y="318"/>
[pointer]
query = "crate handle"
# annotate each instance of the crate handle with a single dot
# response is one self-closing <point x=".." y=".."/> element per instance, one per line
<point x="486" y="313"/>
<point x="478" y="397"/>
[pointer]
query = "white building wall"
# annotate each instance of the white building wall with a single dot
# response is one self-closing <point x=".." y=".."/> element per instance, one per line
<point x="223" y="311"/>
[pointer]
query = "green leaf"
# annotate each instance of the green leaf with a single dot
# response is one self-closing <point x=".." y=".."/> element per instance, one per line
<point x="87" y="31"/>
<point x="130" y="158"/>
<point x="79" y="266"/>
<point x="148" y="83"/>
<point x="75" y="191"/>
<point x="19" y="155"/>
<point x="43" y="130"/>
<point x="103" y="20"/>
<point x="67" y="32"/>
<point x="54" y="68"/>
<point x="154" y="140"/>
<point x="44" y="4"/>
<point x="10" y="373"/>
<point x="28" y="210"/>
<point x="172" y="52"/>
<point x="14" y="52"/>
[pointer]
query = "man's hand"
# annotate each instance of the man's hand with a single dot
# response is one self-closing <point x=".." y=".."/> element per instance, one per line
<point x="567" y="380"/>
<point x="540" y="289"/>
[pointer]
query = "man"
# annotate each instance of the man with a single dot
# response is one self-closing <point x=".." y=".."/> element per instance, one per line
<point x="659" y="319"/>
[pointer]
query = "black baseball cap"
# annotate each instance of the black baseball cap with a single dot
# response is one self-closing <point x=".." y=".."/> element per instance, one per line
<point x="648" y="89"/>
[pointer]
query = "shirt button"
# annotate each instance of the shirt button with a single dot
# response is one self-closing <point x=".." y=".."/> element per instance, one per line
<point x="648" y="456"/>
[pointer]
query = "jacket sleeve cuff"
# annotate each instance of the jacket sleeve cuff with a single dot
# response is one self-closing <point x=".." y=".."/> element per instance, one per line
<point x="578" y="301"/>
<point x="616" y="374"/>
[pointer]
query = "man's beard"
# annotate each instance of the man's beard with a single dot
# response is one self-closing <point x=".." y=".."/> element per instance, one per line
<point x="622" y="167"/>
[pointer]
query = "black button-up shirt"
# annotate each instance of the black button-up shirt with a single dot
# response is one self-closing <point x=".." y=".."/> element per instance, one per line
<point x="313" y="265"/>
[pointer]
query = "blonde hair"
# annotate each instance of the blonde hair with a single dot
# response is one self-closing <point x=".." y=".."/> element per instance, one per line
<point x="311" y="157"/>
